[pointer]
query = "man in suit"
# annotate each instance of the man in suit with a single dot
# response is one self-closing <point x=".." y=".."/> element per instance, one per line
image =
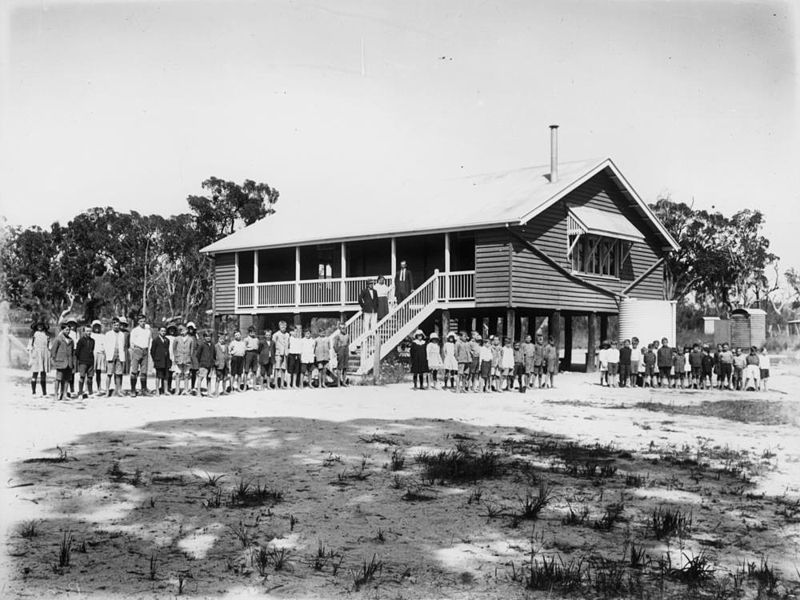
<point x="368" y="300"/>
<point x="403" y="283"/>
<point x="159" y="352"/>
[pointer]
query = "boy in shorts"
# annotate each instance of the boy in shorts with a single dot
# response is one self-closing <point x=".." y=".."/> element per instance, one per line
<point x="475" y="361"/>
<point x="84" y="357"/>
<point x="266" y="360"/>
<point x="649" y="366"/>
<point x="205" y="363"/>
<point x="464" y="360"/>
<point x="62" y="359"/>
<point x="221" y="359"/>
<point x="322" y="356"/>
<point x="519" y="367"/>
<point x="696" y="363"/>
<point x="708" y="368"/>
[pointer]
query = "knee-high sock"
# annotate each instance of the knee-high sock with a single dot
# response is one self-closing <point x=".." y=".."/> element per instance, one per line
<point x="33" y="383"/>
<point x="43" y="382"/>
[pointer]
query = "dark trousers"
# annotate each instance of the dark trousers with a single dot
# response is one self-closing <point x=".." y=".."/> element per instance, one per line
<point x="624" y="374"/>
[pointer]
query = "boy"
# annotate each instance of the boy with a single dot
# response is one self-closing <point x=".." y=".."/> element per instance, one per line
<point x="221" y="358"/>
<point x="251" y="344"/>
<point x="237" y="350"/>
<point x="160" y="353"/>
<point x="307" y="357"/>
<point x="140" y="353"/>
<point x="649" y="366"/>
<point x="664" y="361"/>
<point x="100" y="365"/>
<point x="696" y="362"/>
<point x="708" y="369"/>
<point x="739" y="364"/>
<point x="266" y="357"/>
<point x="764" y="364"/>
<point x="84" y="356"/>
<point x="538" y="359"/>
<point x="625" y="354"/>
<point x="602" y="361"/>
<point x="612" y="356"/>
<point x="636" y="355"/>
<point x="486" y="366"/>
<point x="205" y="363"/>
<point x="281" y="338"/>
<point x="725" y="367"/>
<point x="341" y="348"/>
<point x="475" y="360"/>
<point x="678" y="363"/>
<point x="294" y="363"/>
<point x="519" y="368"/>
<point x="497" y="369"/>
<point x="464" y="360"/>
<point x="528" y="350"/>
<point x="551" y="360"/>
<point x="322" y="355"/>
<point x="183" y="349"/>
<point x="114" y="346"/>
<point x="62" y="357"/>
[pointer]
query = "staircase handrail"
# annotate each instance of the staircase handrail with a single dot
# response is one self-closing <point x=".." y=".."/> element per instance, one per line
<point x="349" y="323"/>
<point x="432" y="280"/>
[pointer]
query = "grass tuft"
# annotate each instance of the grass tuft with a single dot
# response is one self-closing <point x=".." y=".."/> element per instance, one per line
<point x="460" y="464"/>
<point x="367" y="572"/>
<point x="666" y="522"/>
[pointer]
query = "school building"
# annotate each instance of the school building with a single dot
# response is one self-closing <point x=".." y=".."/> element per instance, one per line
<point x="500" y="251"/>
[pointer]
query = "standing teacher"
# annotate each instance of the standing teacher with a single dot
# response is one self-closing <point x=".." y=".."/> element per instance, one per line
<point x="403" y="282"/>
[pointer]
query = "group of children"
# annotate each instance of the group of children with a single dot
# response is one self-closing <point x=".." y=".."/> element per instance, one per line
<point x="184" y="361"/>
<point x="470" y="363"/>
<point x="699" y="367"/>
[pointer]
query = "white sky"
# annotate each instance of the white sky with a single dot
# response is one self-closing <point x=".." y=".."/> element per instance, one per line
<point x="133" y="104"/>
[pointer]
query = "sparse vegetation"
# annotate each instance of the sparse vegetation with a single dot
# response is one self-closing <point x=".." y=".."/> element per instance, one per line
<point x="245" y="494"/>
<point x="367" y="572"/>
<point x="666" y="522"/>
<point x="65" y="550"/>
<point x="532" y="505"/>
<point x="460" y="464"/>
<point x="28" y="529"/>
<point x="398" y="460"/>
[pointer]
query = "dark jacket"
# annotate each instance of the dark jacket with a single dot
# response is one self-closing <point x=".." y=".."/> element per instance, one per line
<point x="204" y="355"/>
<point x="61" y="352"/>
<point x="403" y="288"/>
<point x="664" y="357"/>
<point x="266" y="352"/>
<point x="159" y="351"/>
<point x="625" y="355"/>
<point x="84" y="351"/>
<point x="368" y="299"/>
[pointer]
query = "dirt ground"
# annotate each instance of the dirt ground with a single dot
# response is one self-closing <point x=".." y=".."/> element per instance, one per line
<point x="575" y="492"/>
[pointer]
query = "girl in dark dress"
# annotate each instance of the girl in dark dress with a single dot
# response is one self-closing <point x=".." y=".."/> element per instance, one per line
<point x="419" y="359"/>
<point x="383" y="297"/>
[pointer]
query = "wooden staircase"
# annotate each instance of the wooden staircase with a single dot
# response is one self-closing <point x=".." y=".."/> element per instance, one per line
<point x="397" y="325"/>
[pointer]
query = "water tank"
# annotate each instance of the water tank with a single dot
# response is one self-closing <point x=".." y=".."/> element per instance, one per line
<point x="748" y="327"/>
<point x="647" y="320"/>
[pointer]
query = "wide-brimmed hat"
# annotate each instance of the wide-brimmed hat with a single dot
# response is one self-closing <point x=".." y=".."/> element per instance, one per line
<point x="419" y="333"/>
<point x="451" y="335"/>
<point x="434" y="336"/>
<point x="123" y="321"/>
<point x="191" y="325"/>
<point x="170" y="328"/>
<point x="97" y="322"/>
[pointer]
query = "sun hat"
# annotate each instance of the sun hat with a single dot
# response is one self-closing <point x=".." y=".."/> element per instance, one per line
<point x="419" y="333"/>
<point x="97" y="322"/>
<point x="123" y="321"/>
<point x="451" y="335"/>
<point x="434" y="336"/>
<point x="191" y="325"/>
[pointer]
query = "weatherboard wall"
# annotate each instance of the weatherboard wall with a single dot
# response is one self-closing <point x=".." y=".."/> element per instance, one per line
<point x="225" y="283"/>
<point x="508" y="273"/>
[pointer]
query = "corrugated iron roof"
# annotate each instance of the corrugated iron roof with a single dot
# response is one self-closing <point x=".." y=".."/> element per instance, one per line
<point x="475" y="202"/>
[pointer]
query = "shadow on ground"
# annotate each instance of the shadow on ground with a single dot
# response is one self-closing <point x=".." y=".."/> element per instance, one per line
<point x="300" y="507"/>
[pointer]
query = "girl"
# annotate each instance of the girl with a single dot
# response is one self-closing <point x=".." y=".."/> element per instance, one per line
<point x="640" y="370"/>
<point x="687" y="368"/>
<point x="497" y="363"/>
<point x="39" y="357"/>
<point x="450" y="363"/>
<point x="507" y="365"/>
<point x="602" y="359"/>
<point x="100" y="364"/>
<point x="295" y="365"/>
<point x="172" y="335"/>
<point x="434" y="356"/>
<point x="486" y="356"/>
<point x="383" y="297"/>
<point x="551" y="360"/>
<point x="764" y="364"/>
<point x="419" y="359"/>
<point x="307" y="357"/>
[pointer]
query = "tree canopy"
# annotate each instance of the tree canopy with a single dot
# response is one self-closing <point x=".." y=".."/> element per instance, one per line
<point x="104" y="262"/>
<point x="722" y="262"/>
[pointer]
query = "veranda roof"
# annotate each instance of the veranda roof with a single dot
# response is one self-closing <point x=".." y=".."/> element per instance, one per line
<point x="477" y="202"/>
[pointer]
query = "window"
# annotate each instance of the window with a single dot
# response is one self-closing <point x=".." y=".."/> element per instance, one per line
<point x="595" y="255"/>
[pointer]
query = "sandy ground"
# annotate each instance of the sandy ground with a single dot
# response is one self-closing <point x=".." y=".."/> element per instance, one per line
<point x="137" y="491"/>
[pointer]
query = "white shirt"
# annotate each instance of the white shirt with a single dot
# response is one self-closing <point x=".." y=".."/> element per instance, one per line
<point x="307" y="352"/>
<point x="99" y="342"/>
<point x="381" y="289"/>
<point x="612" y="355"/>
<point x="115" y="339"/>
<point x="140" y="337"/>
